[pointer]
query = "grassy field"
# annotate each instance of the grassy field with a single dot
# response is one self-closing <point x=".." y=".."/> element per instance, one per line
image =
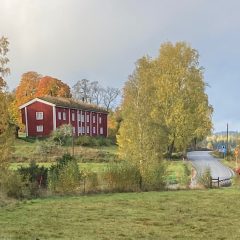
<point x="90" y="158"/>
<point x="202" y="214"/>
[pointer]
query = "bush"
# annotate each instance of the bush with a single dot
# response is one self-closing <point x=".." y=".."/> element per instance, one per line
<point x="35" y="178"/>
<point x="175" y="156"/>
<point x="122" y="177"/>
<point x="34" y="174"/>
<point x="63" y="134"/>
<point x="89" y="181"/>
<point x="45" y="147"/>
<point x="154" y="177"/>
<point x="85" y="141"/>
<point x="186" y="178"/>
<point x="205" y="179"/>
<point x="12" y="184"/>
<point x="89" y="141"/>
<point x="64" y="177"/>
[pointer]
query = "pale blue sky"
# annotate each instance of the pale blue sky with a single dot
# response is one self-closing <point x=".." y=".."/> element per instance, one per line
<point x="102" y="39"/>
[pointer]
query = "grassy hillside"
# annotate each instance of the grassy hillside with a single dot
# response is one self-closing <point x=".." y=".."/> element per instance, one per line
<point x="90" y="158"/>
<point x="203" y="214"/>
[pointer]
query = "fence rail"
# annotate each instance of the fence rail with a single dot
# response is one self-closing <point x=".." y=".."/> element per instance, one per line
<point x="218" y="181"/>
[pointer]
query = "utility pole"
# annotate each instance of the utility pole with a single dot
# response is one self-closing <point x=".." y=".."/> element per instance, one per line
<point x="227" y="142"/>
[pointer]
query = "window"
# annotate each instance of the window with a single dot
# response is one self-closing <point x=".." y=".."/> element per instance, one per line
<point x="82" y="118"/>
<point x="39" y="115"/>
<point x="80" y="130"/>
<point x="94" y="130"/>
<point x="64" y="116"/>
<point x="87" y="118"/>
<point x="101" y="130"/>
<point x="59" y="115"/>
<point x="40" y="128"/>
<point x="73" y="116"/>
<point x="87" y="129"/>
<point x="83" y="129"/>
<point x="100" y="120"/>
<point x="94" y="119"/>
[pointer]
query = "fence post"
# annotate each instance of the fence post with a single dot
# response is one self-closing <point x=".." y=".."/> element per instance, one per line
<point x="210" y="181"/>
<point x="218" y="182"/>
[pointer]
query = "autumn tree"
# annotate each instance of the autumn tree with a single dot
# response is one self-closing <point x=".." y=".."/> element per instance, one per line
<point x="5" y="126"/>
<point x="114" y="123"/>
<point x="141" y="136"/>
<point x="180" y="91"/>
<point x="27" y="88"/>
<point x="164" y="105"/>
<point x="52" y="87"/>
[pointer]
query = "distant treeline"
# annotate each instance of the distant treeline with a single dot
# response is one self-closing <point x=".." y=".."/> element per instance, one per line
<point x="217" y="140"/>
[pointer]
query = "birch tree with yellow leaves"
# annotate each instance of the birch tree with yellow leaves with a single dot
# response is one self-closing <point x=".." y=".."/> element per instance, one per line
<point x="164" y="105"/>
<point x="5" y="128"/>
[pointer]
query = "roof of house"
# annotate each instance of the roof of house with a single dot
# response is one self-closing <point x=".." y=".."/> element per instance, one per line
<point x="69" y="103"/>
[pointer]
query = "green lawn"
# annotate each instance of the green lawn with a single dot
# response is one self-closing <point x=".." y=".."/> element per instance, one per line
<point x="202" y="214"/>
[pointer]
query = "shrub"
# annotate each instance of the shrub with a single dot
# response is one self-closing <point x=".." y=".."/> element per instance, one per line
<point x="122" y="176"/>
<point x="64" y="177"/>
<point x="62" y="134"/>
<point x="89" y="181"/>
<point x="205" y="178"/>
<point x="34" y="174"/>
<point x="12" y="184"/>
<point x="186" y="178"/>
<point x="34" y="177"/>
<point x="154" y="177"/>
<point x="85" y="141"/>
<point x="89" y="141"/>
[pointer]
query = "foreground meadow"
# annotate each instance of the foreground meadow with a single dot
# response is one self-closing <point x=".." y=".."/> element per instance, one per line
<point x="199" y="214"/>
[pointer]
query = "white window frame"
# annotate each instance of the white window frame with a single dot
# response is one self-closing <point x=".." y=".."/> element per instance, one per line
<point x="82" y="118"/>
<point x="94" y="119"/>
<point x="87" y="118"/>
<point x="101" y="130"/>
<point x="59" y="116"/>
<point x="39" y="128"/>
<point x="88" y="129"/>
<point x="94" y="130"/>
<point x="73" y="116"/>
<point x="39" y="115"/>
<point x="64" y="116"/>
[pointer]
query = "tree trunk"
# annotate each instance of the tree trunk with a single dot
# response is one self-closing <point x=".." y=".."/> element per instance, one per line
<point x="170" y="150"/>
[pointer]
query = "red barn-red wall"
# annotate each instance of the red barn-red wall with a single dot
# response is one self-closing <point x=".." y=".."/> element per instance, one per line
<point x="47" y="121"/>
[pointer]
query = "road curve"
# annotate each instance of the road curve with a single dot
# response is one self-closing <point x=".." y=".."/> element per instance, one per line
<point x="202" y="160"/>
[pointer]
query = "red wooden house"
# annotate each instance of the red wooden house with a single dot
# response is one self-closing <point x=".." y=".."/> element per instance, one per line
<point x="44" y="114"/>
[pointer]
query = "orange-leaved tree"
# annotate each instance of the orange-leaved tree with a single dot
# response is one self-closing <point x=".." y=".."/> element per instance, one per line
<point x="53" y="87"/>
<point x="33" y="85"/>
<point x="27" y="88"/>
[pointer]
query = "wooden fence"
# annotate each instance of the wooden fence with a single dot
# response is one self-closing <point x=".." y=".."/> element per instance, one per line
<point x="218" y="181"/>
